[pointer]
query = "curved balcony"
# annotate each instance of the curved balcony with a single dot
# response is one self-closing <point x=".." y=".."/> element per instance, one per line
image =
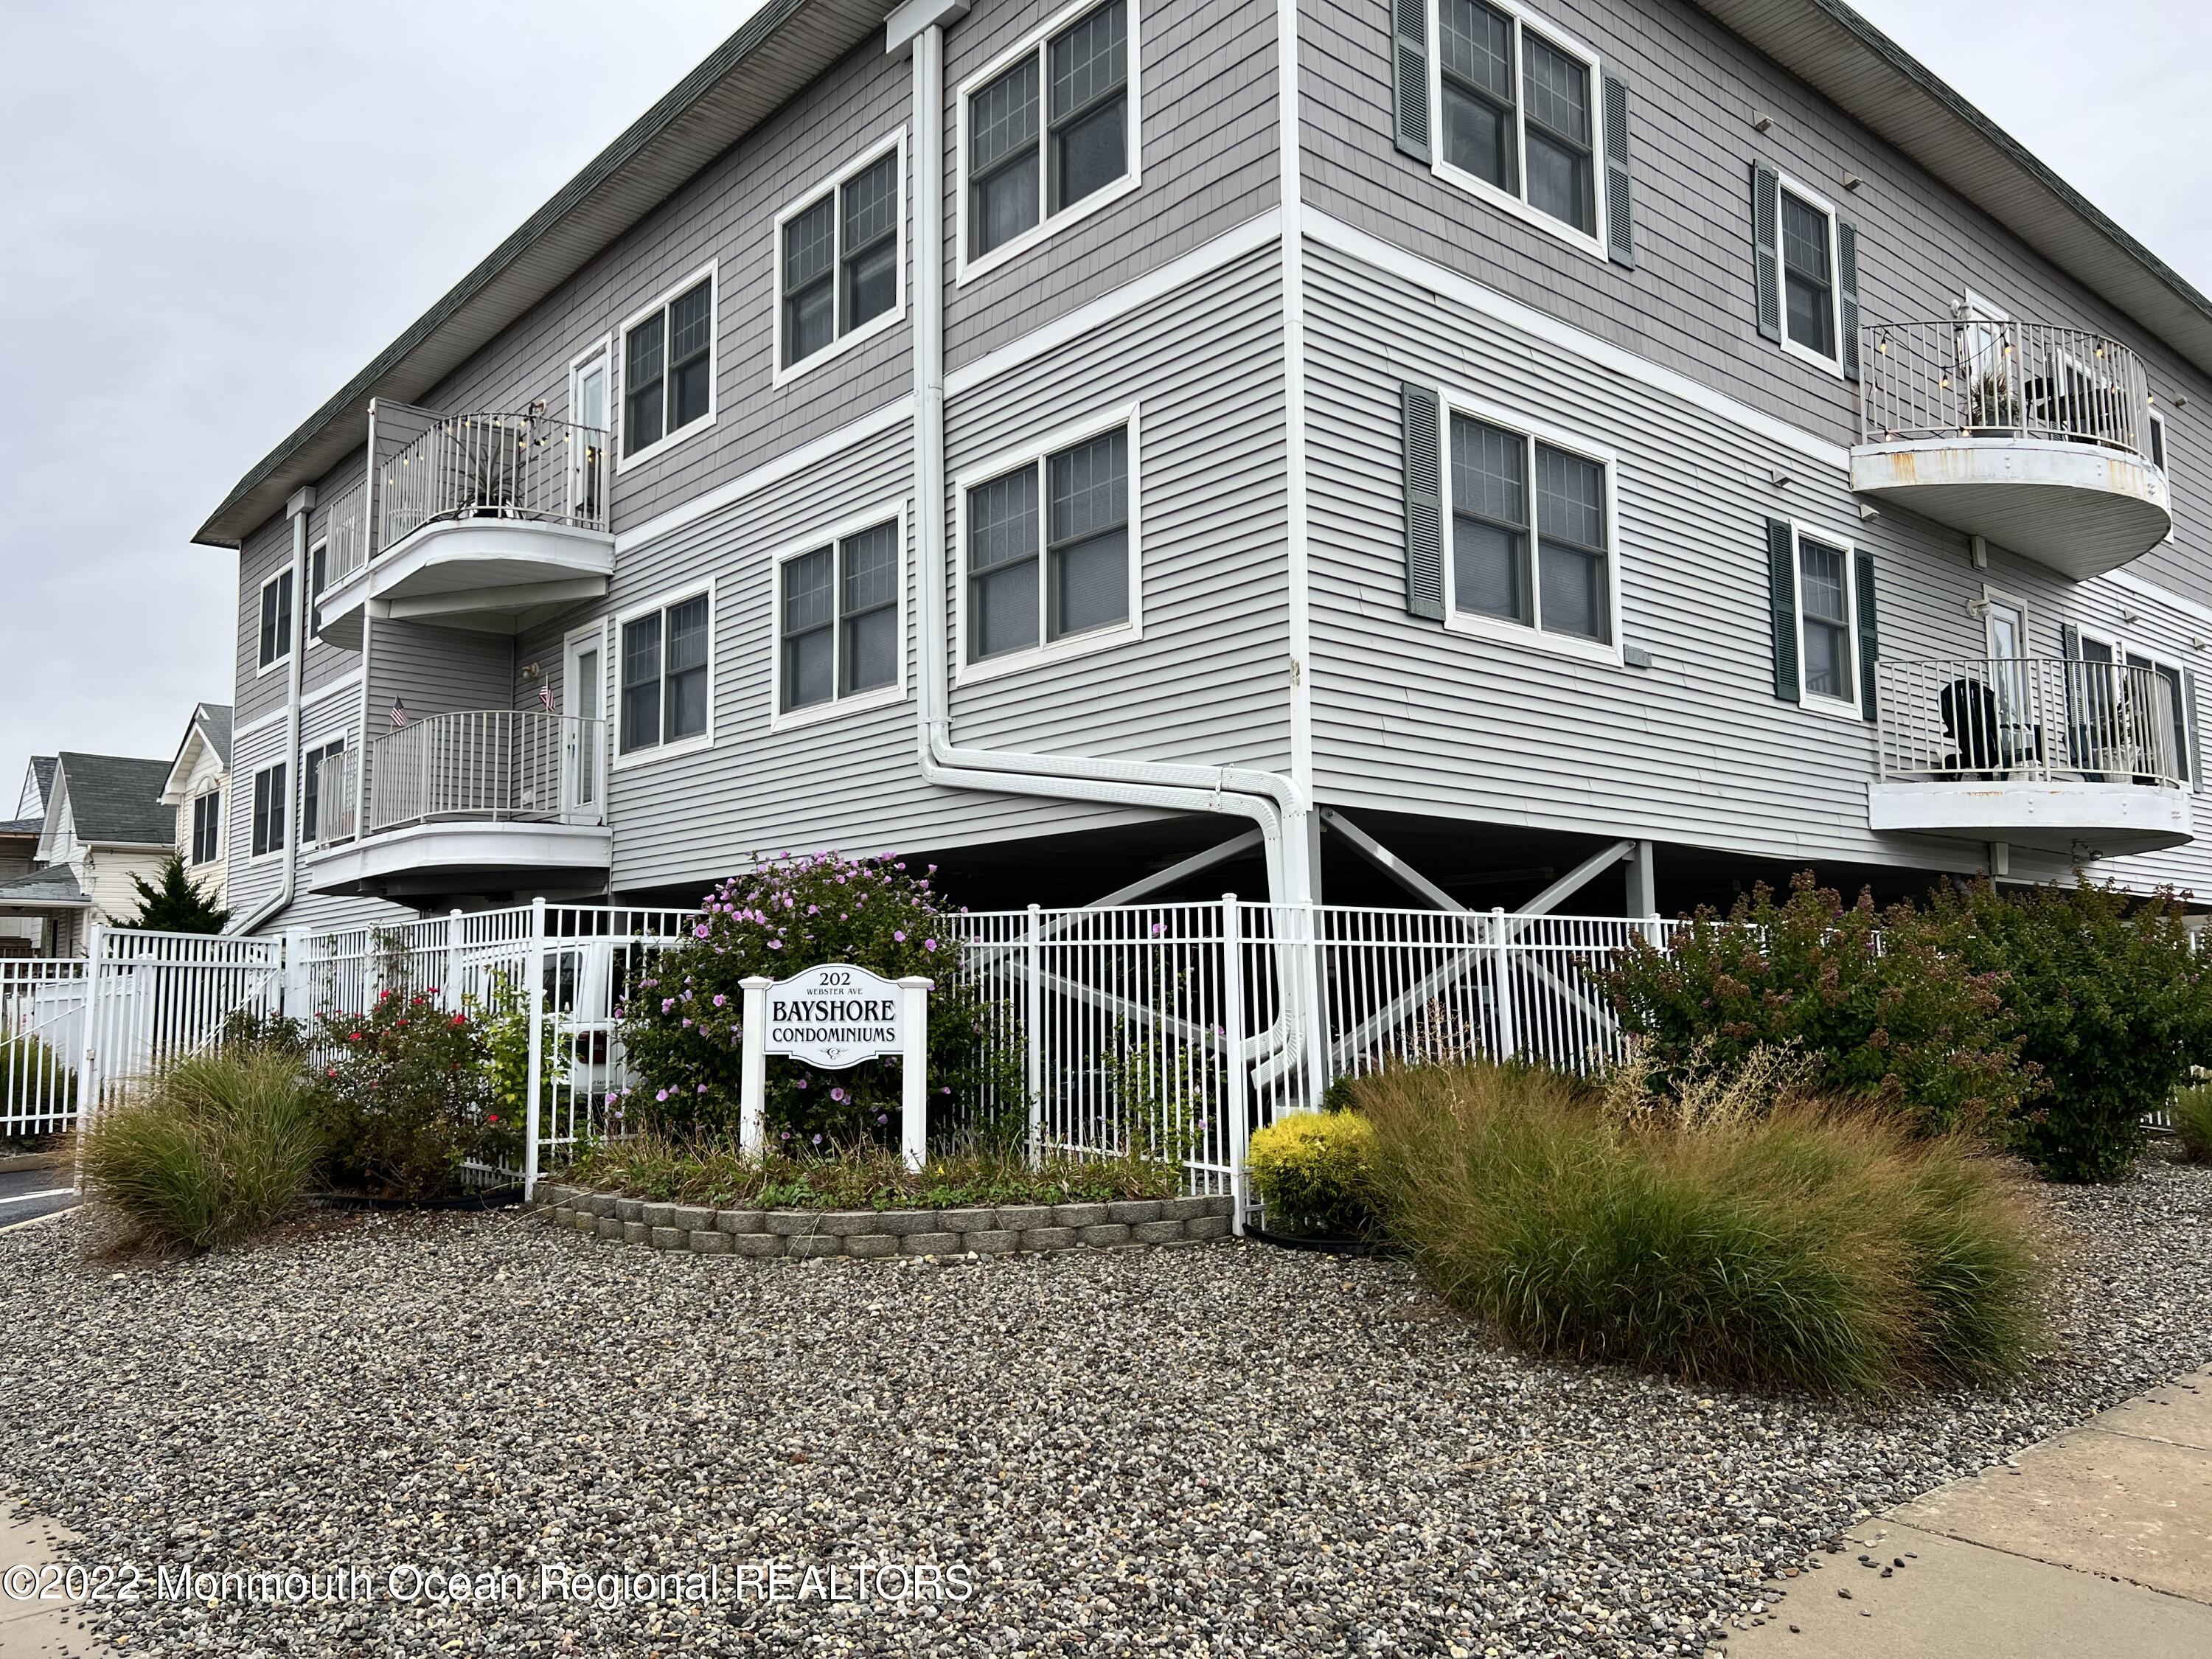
<point x="487" y="801"/>
<point x="2073" y="757"/>
<point x="2035" y="437"/>
<point x="485" y="521"/>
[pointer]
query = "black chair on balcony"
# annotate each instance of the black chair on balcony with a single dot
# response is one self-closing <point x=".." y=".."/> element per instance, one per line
<point x="1983" y="742"/>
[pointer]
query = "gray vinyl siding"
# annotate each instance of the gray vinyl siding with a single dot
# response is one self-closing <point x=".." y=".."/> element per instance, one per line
<point x="325" y="663"/>
<point x="266" y="552"/>
<point x="1696" y="750"/>
<point x="1208" y="151"/>
<point x="1688" y="304"/>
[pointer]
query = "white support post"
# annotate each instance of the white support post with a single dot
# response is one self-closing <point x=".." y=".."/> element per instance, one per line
<point x="1314" y="994"/>
<point x="1033" y="1034"/>
<point x="1233" y="1076"/>
<point x="1501" y="983"/>
<point x="530" y="1106"/>
<point x="752" y="1075"/>
<point x="452" y="985"/>
<point x="299" y="984"/>
<point x="913" y="1070"/>
<point x="88" y="1070"/>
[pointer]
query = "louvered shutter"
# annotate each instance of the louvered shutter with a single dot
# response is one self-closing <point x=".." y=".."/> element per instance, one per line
<point x="1782" y="604"/>
<point x="1766" y="247"/>
<point x="2078" y="706"/>
<point x="2188" y="716"/>
<point x="1619" y="225"/>
<point x="1847" y="291"/>
<point x="1409" y="60"/>
<point x="1420" y="411"/>
<point x="1870" y="631"/>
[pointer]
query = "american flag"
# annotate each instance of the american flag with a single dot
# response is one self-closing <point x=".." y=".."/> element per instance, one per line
<point x="398" y="711"/>
<point x="545" y="697"/>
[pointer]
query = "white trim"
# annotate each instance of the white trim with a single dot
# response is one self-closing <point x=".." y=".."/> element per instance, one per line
<point x="253" y="805"/>
<point x="618" y="391"/>
<point x="841" y="339"/>
<point x="1450" y="285"/>
<point x="1074" y="645"/>
<point x="1037" y="45"/>
<point x="2154" y="418"/>
<point x="1820" y="203"/>
<point x="260" y="607"/>
<point x="1519" y="206"/>
<point x="601" y="350"/>
<point x="665" y="749"/>
<point x="1994" y="595"/>
<point x="1846" y="705"/>
<point x="1290" y="256"/>
<point x="1477" y="624"/>
<point x="329" y="688"/>
<point x="780" y="719"/>
<point x="2128" y="582"/>
<point x="594" y="638"/>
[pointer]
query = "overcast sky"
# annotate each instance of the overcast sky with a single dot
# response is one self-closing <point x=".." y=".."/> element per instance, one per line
<point x="215" y="213"/>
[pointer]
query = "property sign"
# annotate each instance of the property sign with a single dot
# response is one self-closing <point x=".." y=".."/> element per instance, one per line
<point x="834" y="1016"/>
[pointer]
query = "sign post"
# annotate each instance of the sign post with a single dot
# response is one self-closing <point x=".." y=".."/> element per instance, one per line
<point x="834" y="1017"/>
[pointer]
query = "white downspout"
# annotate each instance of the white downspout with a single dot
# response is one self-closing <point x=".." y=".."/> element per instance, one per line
<point x="1270" y="800"/>
<point x="301" y="503"/>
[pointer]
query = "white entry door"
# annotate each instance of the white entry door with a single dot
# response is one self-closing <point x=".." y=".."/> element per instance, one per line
<point x="584" y="734"/>
<point x="2009" y="671"/>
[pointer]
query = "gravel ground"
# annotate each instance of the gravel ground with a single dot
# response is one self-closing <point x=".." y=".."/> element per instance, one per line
<point x="1224" y="1449"/>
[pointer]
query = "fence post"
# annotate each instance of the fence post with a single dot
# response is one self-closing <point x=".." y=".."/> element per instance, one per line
<point x="1501" y="984"/>
<point x="1033" y="1035"/>
<point x="530" y="1130"/>
<point x="299" y="991"/>
<point x="752" y="1071"/>
<point x="1313" y="994"/>
<point x="452" y="983"/>
<point x="913" y="1070"/>
<point x="1234" y="1107"/>
<point x="88" y="1069"/>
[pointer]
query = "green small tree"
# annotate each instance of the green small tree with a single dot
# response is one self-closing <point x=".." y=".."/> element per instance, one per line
<point x="177" y="905"/>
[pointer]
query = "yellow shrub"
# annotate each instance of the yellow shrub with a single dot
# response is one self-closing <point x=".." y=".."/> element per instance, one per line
<point x="1314" y="1174"/>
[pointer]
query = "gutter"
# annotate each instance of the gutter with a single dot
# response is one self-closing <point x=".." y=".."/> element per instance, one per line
<point x="302" y="503"/>
<point x="1272" y="802"/>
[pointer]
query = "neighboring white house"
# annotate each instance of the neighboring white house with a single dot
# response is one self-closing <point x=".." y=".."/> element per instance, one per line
<point x="104" y="823"/>
<point x="199" y="783"/>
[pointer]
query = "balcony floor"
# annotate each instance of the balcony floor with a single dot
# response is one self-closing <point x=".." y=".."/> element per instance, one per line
<point x="2057" y="817"/>
<point x="425" y="861"/>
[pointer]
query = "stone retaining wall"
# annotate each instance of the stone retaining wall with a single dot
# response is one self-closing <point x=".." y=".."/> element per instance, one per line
<point x="808" y="1233"/>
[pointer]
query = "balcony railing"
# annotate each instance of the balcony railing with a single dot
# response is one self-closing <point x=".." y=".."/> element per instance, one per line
<point x="495" y="466"/>
<point x="2025" y="718"/>
<point x="486" y="765"/>
<point x="1975" y="377"/>
<point x="346" y="536"/>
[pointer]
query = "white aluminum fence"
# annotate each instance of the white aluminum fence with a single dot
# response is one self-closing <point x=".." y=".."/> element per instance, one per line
<point x="347" y="532"/>
<point x="41" y="1041"/>
<point x="1993" y="378"/>
<point x="1953" y="717"/>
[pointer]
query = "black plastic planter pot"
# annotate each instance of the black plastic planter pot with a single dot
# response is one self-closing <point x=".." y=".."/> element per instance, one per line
<point x="1327" y="1246"/>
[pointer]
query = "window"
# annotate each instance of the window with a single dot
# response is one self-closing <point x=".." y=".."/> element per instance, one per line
<point x="318" y="565"/>
<point x="2154" y="436"/>
<point x="587" y="453"/>
<point x="275" y="619"/>
<point x="668" y="368"/>
<point x="268" y="811"/>
<point x="838" y="612"/>
<point x="1050" y="547"/>
<point x="665" y="678"/>
<point x="2178" y="712"/>
<point x="1824" y="613"/>
<point x="312" y="763"/>
<point x="841" y="259"/>
<point x="1518" y="113"/>
<point x="207" y="826"/>
<point x="1050" y="130"/>
<point x="1552" y="575"/>
<point x="1809" y="281"/>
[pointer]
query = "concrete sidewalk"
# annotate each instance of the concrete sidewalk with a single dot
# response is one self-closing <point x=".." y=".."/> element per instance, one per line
<point x="32" y="1628"/>
<point x="2096" y="1544"/>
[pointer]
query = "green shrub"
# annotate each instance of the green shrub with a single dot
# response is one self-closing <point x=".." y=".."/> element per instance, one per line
<point x="1314" y="1174"/>
<point x="257" y="1028"/>
<point x="681" y="1021"/>
<point x="2192" y="1121"/>
<point x="218" y="1147"/>
<point x="2112" y="1005"/>
<point x="1881" y="1009"/>
<point x="1800" y="1247"/>
<point x="409" y="1095"/>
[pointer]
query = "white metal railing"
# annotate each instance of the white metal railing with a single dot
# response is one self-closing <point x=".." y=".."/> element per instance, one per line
<point x="335" y="798"/>
<point x="2030" y="718"/>
<point x="495" y="466"/>
<point x="1993" y="378"/>
<point x="42" y="1031"/>
<point x="499" y="764"/>
<point x="346" y="536"/>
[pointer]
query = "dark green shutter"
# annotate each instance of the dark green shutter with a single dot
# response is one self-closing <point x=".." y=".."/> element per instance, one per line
<point x="1409" y="62"/>
<point x="1619" y="227"/>
<point x="1420" y="412"/>
<point x="1782" y="604"/>
<point x="1870" y="631"/>
<point x="1766" y="248"/>
<point x="1847" y="290"/>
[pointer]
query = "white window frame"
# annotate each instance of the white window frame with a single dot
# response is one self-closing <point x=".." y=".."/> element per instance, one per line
<point x="260" y="605"/>
<point x="965" y="671"/>
<point x="1826" y="208"/>
<point x="779" y="719"/>
<point x="619" y="388"/>
<point x="285" y="815"/>
<point x="1518" y="206"/>
<point x="1049" y="224"/>
<point x="831" y="186"/>
<point x="1475" y="623"/>
<point x="318" y="752"/>
<point x="1847" y="707"/>
<point x="191" y="828"/>
<point x="2129" y="654"/>
<point x="621" y="760"/>
<point x="2164" y="446"/>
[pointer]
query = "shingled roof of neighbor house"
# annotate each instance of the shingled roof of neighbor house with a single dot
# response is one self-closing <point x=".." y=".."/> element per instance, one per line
<point x="117" y="799"/>
<point x="52" y="888"/>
